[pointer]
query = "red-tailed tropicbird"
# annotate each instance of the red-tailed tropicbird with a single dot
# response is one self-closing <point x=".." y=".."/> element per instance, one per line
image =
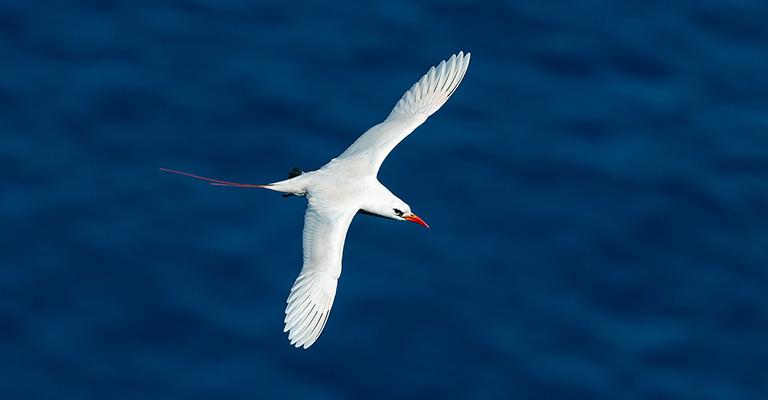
<point x="348" y="185"/>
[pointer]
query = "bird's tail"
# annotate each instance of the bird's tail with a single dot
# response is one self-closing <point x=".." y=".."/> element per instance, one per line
<point x="215" y="181"/>
<point x="287" y="186"/>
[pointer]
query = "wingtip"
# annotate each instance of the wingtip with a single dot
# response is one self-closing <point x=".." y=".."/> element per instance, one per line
<point x="464" y="59"/>
<point x="461" y="55"/>
<point x="434" y="88"/>
<point x="308" y="307"/>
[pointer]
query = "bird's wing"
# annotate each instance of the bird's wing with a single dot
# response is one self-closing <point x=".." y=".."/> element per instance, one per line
<point x="312" y="294"/>
<point x="424" y="98"/>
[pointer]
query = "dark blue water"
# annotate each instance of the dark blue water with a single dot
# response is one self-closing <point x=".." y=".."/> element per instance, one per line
<point x="597" y="191"/>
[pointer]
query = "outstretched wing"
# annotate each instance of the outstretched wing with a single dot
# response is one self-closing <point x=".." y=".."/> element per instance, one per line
<point x="424" y="98"/>
<point x="313" y="292"/>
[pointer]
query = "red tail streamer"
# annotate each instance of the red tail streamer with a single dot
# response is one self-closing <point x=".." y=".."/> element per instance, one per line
<point x="213" y="181"/>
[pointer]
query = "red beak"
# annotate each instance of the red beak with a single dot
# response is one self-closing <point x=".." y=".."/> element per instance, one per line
<point x="414" y="218"/>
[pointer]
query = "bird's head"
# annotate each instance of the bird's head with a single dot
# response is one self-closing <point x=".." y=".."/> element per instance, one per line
<point x="402" y="212"/>
<point x="382" y="203"/>
<point x="398" y="211"/>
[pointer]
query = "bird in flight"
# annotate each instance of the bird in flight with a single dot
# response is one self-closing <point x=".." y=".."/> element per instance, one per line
<point x="348" y="185"/>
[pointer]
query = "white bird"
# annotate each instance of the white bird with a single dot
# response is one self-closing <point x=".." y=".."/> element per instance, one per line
<point x="345" y="186"/>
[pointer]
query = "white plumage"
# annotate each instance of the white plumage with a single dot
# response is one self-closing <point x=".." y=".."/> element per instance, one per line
<point x="348" y="185"/>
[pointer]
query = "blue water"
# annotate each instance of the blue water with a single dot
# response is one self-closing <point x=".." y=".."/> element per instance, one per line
<point x="597" y="191"/>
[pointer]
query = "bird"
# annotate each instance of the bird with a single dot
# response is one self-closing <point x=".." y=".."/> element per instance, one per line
<point x="348" y="185"/>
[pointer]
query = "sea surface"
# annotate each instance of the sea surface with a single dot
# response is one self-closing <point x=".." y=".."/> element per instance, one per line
<point x="596" y="189"/>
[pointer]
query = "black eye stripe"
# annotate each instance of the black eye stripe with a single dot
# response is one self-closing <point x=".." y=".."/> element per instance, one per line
<point x="398" y="212"/>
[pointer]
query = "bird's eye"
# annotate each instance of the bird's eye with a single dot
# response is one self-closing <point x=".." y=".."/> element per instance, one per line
<point x="398" y="212"/>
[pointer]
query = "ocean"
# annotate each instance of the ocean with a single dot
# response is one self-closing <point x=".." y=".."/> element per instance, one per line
<point x="596" y="190"/>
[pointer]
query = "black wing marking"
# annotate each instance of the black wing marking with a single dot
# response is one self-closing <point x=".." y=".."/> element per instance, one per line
<point x="294" y="172"/>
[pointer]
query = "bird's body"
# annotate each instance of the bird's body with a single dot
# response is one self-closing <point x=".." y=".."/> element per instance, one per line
<point x="347" y="185"/>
